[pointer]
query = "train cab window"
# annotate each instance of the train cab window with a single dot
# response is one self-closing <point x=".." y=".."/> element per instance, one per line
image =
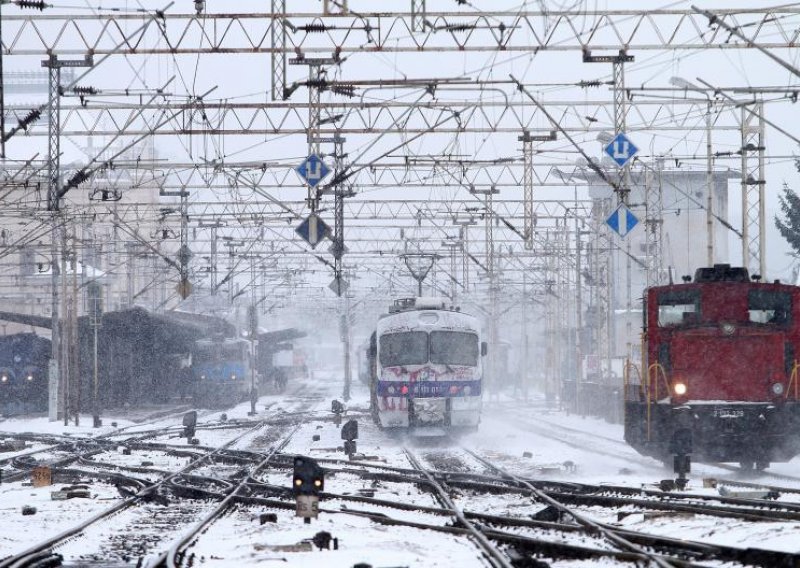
<point x="454" y="348"/>
<point x="678" y="308"/>
<point x="405" y="348"/>
<point x="769" y="307"/>
<point x="203" y="355"/>
<point x="232" y="352"/>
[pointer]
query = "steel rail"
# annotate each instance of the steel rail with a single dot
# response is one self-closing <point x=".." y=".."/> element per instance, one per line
<point x="488" y="483"/>
<point x="495" y="557"/>
<point x="587" y="523"/>
<point x="24" y="558"/>
<point x="171" y="557"/>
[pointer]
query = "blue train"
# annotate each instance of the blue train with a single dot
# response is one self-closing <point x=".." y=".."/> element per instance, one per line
<point x="23" y="373"/>
<point x="221" y="371"/>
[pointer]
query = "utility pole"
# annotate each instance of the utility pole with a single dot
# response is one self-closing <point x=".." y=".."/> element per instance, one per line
<point x="253" y="334"/>
<point x="463" y="236"/>
<point x="96" y="307"/>
<point x="490" y="272"/>
<point x="753" y="201"/>
<point x="54" y="66"/>
<point x="278" y="56"/>
<point x="340" y="284"/>
<point x="527" y="180"/>
<point x="605" y="294"/>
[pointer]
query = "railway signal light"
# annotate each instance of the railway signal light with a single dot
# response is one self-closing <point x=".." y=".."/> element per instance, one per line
<point x="309" y="478"/>
<point x="189" y="424"/>
<point x="308" y="482"/>
<point x="338" y="409"/>
<point x="350" y="435"/>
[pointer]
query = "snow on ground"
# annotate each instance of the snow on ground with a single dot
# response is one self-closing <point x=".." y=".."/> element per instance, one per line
<point x="51" y="518"/>
<point x="525" y="438"/>
<point x="239" y="539"/>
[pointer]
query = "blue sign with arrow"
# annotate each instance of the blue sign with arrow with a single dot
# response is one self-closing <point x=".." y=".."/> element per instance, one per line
<point x="313" y="230"/>
<point x="622" y="220"/>
<point x="621" y="149"/>
<point x="313" y="170"/>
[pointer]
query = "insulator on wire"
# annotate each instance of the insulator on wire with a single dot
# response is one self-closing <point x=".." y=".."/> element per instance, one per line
<point x="33" y="4"/>
<point x="313" y="28"/>
<point x="84" y="90"/>
<point x="77" y="178"/>
<point x="199" y="6"/>
<point x="345" y="90"/>
<point x="32" y="116"/>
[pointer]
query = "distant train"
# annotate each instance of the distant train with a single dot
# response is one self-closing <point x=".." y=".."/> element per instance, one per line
<point x="143" y="358"/>
<point x="425" y="368"/>
<point x="221" y="371"/>
<point x="23" y="373"/>
<point x="720" y="372"/>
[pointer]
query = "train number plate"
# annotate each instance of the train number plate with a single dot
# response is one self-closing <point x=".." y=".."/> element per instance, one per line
<point x="728" y="413"/>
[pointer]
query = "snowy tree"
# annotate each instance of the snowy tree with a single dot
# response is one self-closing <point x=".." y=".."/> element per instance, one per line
<point x="789" y="222"/>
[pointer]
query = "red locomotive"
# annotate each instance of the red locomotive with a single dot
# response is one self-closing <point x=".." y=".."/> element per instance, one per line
<point x="720" y="372"/>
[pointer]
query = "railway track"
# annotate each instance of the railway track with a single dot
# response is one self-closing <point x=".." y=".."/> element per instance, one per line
<point x="157" y="500"/>
<point x="578" y="498"/>
<point x="501" y="516"/>
<point x="599" y="444"/>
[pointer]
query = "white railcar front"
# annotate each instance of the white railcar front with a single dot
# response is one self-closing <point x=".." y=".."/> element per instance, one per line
<point x="427" y="372"/>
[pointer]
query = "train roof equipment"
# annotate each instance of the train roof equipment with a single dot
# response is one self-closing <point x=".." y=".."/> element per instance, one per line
<point x="421" y="303"/>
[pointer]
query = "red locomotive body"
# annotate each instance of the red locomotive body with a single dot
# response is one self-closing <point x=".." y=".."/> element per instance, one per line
<point x="720" y="372"/>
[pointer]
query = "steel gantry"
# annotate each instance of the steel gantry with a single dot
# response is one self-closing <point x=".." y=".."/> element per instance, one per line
<point x="511" y="31"/>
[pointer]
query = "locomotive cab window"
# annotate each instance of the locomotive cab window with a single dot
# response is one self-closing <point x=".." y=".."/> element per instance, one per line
<point x="678" y="307"/>
<point x="769" y="307"/>
<point x="405" y="348"/>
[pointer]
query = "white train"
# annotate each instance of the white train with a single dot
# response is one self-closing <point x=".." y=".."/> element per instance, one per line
<point x="425" y="368"/>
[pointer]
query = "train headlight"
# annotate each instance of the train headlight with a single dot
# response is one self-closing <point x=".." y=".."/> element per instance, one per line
<point x="467" y="390"/>
<point x="4" y="378"/>
<point x="202" y="377"/>
<point x="777" y="388"/>
<point x="233" y="377"/>
<point x="29" y="377"/>
<point x="390" y="390"/>
<point x="728" y="328"/>
<point x="679" y="388"/>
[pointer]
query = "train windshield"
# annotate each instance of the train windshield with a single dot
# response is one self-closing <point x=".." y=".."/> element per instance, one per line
<point x="678" y="307"/>
<point x="769" y="307"/>
<point x="406" y="348"/>
<point x="232" y="352"/>
<point x="217" y="352"/>
<point x="203" y="354"/>
<point x="454" y="348"/>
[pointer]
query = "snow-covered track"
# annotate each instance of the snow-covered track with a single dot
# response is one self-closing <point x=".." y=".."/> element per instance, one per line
<point x="145" y="497"/>
<point x="495" y="556"/>
<point x="176" y="554"/>
<point x="670" y="551"/>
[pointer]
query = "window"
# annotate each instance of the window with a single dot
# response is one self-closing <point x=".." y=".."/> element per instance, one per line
<point x="454" y="348"/>
<point x="769" y="307"/>
<point x="406" y="348"/>
<point x="678" y="307"/>
<point x="232" y="352"/>
<point x="202" y="355"/>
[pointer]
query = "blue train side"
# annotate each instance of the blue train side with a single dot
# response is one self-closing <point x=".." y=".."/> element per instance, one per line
<point x="23" y="373"/>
